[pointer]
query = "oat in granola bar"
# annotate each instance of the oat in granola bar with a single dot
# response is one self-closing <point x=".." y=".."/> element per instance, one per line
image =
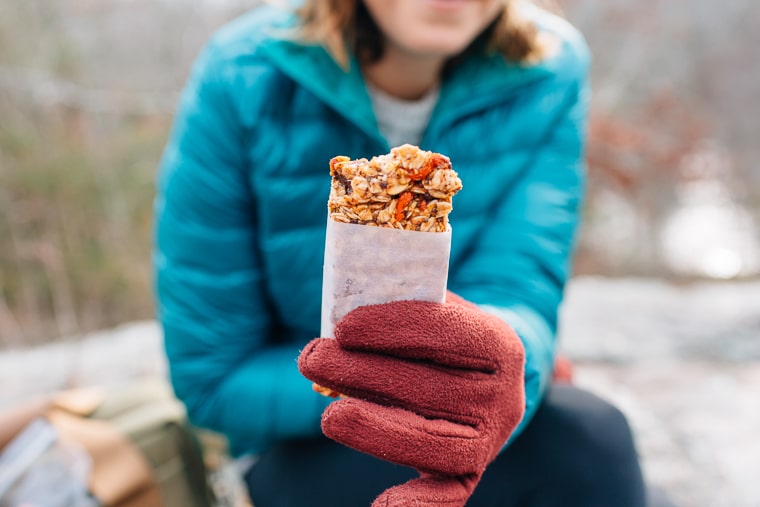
<point x="408" y="188"/>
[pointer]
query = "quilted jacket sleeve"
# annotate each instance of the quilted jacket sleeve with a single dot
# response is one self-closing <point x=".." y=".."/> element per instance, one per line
<point x="519" y="267"/>
<point x="209" y="283"/>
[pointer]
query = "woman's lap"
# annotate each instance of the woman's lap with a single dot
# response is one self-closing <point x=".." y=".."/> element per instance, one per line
<point x="577" y="451"/>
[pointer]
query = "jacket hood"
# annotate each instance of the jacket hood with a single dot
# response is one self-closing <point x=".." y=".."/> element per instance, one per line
<point x="476" y="82"/>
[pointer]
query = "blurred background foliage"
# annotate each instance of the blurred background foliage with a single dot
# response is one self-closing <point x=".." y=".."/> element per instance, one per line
<point x="88" y="87"/>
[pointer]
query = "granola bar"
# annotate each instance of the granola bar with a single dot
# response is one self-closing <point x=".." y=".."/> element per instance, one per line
<point x="408" y="189"/>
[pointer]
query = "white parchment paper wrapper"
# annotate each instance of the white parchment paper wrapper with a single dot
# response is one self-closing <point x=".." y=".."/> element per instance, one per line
<point x="370" y="265"/>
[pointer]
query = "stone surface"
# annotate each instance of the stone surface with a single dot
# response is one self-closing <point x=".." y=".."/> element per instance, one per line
<point x="683" y="362"/>
<point x="630" y="320"/>
<point x="696" y="423"/>
<point x="107" y="358"/>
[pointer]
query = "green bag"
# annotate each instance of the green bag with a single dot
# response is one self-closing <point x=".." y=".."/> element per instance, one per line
<point x="144" y="452"/>
<point x="149" y="415"/>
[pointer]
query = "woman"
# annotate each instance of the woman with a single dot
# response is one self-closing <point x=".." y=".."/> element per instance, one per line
<point x="500" y="88"/>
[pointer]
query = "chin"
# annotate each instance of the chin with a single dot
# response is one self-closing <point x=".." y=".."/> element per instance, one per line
<point x="438" y="45"/>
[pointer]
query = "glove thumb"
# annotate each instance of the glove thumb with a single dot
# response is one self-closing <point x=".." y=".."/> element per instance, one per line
<point x="429" y="491"/>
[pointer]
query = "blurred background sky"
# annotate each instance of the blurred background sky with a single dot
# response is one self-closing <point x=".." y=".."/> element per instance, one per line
<point x="88" y="87"/>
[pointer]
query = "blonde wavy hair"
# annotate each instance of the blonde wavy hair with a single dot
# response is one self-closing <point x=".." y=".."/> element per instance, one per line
<point x="346" y="25"/>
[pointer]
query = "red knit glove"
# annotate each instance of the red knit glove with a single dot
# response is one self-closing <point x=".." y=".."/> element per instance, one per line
<point x="437" y="387"/>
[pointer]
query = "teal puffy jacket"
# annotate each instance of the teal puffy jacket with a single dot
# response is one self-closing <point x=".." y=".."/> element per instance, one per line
<point x="241" y="211"/>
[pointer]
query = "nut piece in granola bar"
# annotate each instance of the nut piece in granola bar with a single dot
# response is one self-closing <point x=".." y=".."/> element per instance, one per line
<point x="408" y="189"/>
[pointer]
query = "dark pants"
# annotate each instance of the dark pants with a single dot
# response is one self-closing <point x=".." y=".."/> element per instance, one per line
<point x="576" y="452"/>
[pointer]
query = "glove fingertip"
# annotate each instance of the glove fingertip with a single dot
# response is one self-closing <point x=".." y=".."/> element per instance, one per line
<point x="303" y="357"/>
<point x="310" y="359"/>
<point x="426" y="491"/>
<point x="338" y="418"/>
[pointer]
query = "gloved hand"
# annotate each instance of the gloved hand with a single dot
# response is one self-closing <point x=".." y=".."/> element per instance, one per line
<point x="563" y="370"/>
<point x="437" y="387"/>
